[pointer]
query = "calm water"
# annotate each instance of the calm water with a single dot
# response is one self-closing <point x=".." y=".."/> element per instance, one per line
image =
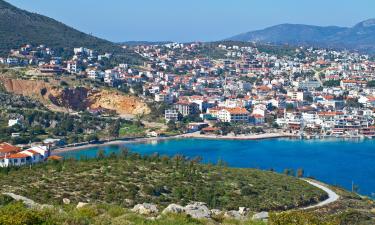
<point x="332" y="161"/>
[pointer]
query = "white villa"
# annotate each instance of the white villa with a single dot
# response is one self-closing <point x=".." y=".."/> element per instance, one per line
<point x="32" y="155"/>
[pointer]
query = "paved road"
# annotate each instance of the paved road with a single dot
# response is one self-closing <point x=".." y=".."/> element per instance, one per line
<point x="332" y="196"/>
<point x="317" y="75"/>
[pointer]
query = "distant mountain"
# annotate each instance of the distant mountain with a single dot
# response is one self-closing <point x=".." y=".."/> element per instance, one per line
<point x="18" y="27"/>
<point x="135" y="43"/>
<point x="361" y="37"/>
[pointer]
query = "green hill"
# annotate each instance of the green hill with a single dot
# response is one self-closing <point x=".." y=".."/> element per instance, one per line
<point x="20" y="27"/>
<point x="158" y="180"/>
<point x="113" y="185"/>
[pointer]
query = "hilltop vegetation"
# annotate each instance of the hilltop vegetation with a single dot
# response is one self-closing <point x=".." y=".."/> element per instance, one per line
<point x="112" y="185"/>
<point x="130" y="178"/>
<point x="19" y="27"/>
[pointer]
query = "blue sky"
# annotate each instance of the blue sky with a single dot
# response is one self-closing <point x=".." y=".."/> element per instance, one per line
<point x="194" y="20"/>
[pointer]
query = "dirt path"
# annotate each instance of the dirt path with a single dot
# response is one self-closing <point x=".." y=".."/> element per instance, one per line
<point x="332" y="196"/>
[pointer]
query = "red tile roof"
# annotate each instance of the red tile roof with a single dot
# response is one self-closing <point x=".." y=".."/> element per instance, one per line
<point x="18" y="156"/>
<point x="237" y="110"/>
<point x="6" y="148"/>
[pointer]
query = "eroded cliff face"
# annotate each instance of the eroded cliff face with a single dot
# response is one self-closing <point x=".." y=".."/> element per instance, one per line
<point x="77" y="99"/>
<point x="28" y="88"/>
<point x="71" y="98"/>
<point x="122" y="104"/>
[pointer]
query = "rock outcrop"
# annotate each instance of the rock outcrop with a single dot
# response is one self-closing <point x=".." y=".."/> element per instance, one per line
<point x="233" y="214"/>
<point x="174" y="208"/>
<point x="81" y="205"/>
<point x="145" y="209"/>
<point x="261" y="216"/>
<point x="198" y="210"/>
<point x="66" y="201"/>
<point x="77" y="98"/>
<point x="28" y="202"/>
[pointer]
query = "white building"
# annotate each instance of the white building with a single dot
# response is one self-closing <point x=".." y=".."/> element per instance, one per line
<point x="14" y="122"/>
<point x="171" y="115"/>
<point x="234" y="115"/>
<point x="164" y="97"/>
<point x="296" y="95"/>
<point x="30" y="156"/>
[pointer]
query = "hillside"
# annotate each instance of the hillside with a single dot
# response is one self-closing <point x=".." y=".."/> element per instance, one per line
<point x="20" y="27"/>
<point x="359" y="37"/>
<point x="75" y="98"/>
<point x="104" y="191"/>
<point x="129" y="179"/>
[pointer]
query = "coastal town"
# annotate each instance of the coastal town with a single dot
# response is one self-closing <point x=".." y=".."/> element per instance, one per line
<point x="221" y="90"/>
<point x="198" y="113"/>
<point x="306" y="92"/>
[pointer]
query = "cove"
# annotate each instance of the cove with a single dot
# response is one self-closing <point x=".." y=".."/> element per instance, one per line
<point x="333" y="161"/>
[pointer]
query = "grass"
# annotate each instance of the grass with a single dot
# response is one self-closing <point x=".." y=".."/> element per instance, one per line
<point x="130" y="179"/>
<point x="132" y="130"/>
<point x="17" y="214"/>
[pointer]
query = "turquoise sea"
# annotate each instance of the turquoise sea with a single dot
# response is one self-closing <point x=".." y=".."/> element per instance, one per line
<point x="337" y="162"/>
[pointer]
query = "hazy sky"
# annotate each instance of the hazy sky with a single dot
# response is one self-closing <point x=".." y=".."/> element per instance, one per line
<point x="194" y="20"/>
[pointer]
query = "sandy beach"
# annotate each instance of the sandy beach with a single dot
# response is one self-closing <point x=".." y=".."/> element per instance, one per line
<point x="238" y="137"/>
<point x="190" y="135"/>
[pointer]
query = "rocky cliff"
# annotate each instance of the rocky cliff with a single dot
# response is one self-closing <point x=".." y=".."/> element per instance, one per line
<point x="77" y="99"/>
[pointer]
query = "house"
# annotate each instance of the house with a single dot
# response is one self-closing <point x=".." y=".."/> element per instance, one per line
<point x="349" y="84"/>
<point x="164" y="97"/>
<point x="73" y="67"/>
<point x="42" y="150"/>
<point x="18" y="159"/>
<point x="30" y="156"/>
<point x="210" y="130"/>
<point x="296" y="95"/>
<point x="111" y="76"/>
<point x="368" y="131"/>
<point x="51" y="69"/>
<point x="194" y="127"/>
<point x="13" y="122"/>
<point x="12" y="61"/>
<point x="186" y="108"/>
<point x="257" y="119"/>
<point x="94" y="74"/>
<point x="171" y="115"/>
<point x="368" y="101"/>
<point x="53" y="142"/>
<point x="234" y="115"/>
<point x="153" y="134"/>
<point x="7" y="149"/>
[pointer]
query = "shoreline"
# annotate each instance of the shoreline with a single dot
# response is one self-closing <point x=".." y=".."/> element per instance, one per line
<point x="253" y="137"/>
<point x="182" y="136"/>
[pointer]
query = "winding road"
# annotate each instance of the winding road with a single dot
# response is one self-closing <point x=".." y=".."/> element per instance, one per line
<point x="332" y="196"/>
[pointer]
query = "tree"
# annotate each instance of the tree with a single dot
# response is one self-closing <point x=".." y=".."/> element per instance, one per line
<point x="353" y="103"/>
<point x="114" y="130"/>
<point x="289" y="107"/>
<point x="92" y="138"/>
<point x="101" y="154"/>
<point x="300" y="173"/>
<point x="371" y="83"/>
<point x="124" y="152"/>
<point x="331" y="83"/>
<point x="43" y="91"/>
<point x="172" y="125"/>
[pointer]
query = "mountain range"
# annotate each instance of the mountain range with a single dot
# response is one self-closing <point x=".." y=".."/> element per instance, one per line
<point x="360" y="37"/>
<point x="19" y="27"/>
